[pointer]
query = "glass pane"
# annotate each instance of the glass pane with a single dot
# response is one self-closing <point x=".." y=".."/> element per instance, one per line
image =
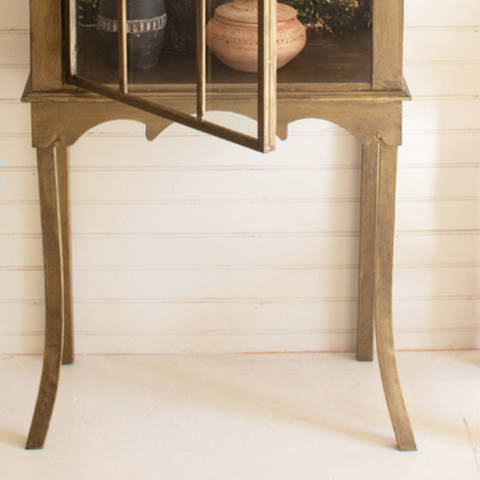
<point x="339" y="43"/>
<point x="152" y="65"/>
<point x="232" y="36"/>
<point x="162" y="40"/>
<point x="89" y="56"/>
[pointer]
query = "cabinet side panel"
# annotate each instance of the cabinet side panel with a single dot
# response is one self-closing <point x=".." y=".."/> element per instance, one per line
<point x="46" y="44"/>
<point x="387" y="44"/>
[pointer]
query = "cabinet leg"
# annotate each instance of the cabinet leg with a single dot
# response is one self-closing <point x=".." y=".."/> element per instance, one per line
<point x="383" y="304"/>
<point x="64" y="193"/>
<point x="366" y="275"/>
<point x="52" y="254"/>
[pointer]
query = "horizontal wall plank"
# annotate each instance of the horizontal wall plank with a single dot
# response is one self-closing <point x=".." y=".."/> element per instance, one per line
<point x="13" y="82"/>
<point x="15" y="119"/>
<point x="442" y="114"/>
<point x="437" y="149"/>
<point x="181" y="218"/>
<point x="15" y="14"/>
<point x="437" y="13"/>
<point x="104" y="316"/>
<point x="450" y="79"/>
<point x="251" y="218"/>
<point x="194" y="284"/>
<point x="21" y="252"/>
<point x="221" y="343"/>
<point x="137" y="187"/>
<point x="438" y="183"/>
<point x="15" y="48"/>
<point x="188" y="343"/>
<point x="423" y="249"/>
<point x="16" y="153"/>
<point x="442" y="215"/>
<point x="252" y="283"/>
<point x="194" y="342"/>
<point x="327" y="145"/>
<point x="225" y="344"/>
<point x="339" y="150"/>
<point x="177" y="317"/>
<point x="441" y="249"/>
<point x="105" y="327"/>
<point x="126" y="187"/>
<point x="195" y="251"/>
<point x="441" y="44"/>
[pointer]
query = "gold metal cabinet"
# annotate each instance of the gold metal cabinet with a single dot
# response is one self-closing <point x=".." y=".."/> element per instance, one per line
<point x="354" y="80"/>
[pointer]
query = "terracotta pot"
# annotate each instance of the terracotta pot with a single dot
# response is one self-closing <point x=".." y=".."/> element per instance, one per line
<point x="146" y="19"/>
<point x="232" y="35"/>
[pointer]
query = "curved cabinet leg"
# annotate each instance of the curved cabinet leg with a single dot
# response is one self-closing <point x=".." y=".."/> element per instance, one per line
<point x="366" y="274"/>
<point x="52" y="252"/>
<point x="64" y="193"/>
<point x="383" y="303"/>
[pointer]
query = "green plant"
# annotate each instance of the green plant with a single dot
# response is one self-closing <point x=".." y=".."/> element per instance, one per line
<point x="332" y="15"/>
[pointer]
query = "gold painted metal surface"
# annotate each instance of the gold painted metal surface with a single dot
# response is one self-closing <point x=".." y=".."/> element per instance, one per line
<point x="122" y="46"/>
<point x="201" y="59"/>
<point x="385" y="236"/>
<point x="366" y="274"/>
<point x="54" y="295"/>
<point x="63" y="169"/>
<point x="267" y="73"/>
<point x="46" y="39"/>
<point x="387" y="69"/>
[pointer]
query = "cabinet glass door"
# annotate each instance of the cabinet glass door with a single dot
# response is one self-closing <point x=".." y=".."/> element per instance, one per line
<point x="181" y="60"/>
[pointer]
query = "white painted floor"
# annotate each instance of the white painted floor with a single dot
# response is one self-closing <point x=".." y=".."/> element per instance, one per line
<point x="249" y="417"/>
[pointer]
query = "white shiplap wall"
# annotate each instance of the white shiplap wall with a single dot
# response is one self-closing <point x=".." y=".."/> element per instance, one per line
<point x="202" y="246"/>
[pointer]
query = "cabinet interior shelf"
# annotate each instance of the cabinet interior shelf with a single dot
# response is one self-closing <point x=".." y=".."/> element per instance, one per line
<point x="329" y="61"/>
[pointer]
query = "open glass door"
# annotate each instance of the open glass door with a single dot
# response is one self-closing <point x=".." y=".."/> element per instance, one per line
<point x="181" y="60"/>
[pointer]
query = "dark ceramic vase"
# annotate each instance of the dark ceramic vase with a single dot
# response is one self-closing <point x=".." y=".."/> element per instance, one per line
<point x="146" y="19"/>
<point x="182" y="25"/>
